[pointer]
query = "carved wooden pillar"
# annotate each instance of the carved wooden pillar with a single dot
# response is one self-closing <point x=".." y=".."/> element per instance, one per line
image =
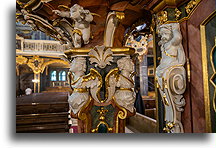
<point x="103" y="88"/>
<point x="171" y="76"/>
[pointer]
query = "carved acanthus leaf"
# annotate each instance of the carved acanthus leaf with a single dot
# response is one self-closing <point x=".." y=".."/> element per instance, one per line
<point x="101" y="55"/>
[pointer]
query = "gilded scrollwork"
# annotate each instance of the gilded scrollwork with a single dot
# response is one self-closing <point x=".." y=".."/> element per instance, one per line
<point x="36" y="64"/>
<point x="162" y="17"/>
<point x="21" y="60"/>
<point x="177" y="13"/>
<point x="106" y="127"/>
<point x="191" y="5"/>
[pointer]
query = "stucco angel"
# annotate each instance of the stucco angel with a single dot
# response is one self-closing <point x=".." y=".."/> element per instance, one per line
<point x="81" y="19"/>
<point x="80" y="93"/>
<point x="171" y="48"/>
<point x="121" y="85"/>
<point x="82" y="85"/>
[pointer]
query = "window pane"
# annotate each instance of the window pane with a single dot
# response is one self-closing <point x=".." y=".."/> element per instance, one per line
<point x="53" y="76"/>
<point x="63" y="76"/>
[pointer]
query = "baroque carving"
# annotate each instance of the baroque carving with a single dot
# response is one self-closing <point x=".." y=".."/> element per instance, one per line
<point x="191" y="5"/>
<point x="81" y="24"/>
<point x="171" y="76"/>
<point x="73" y="32"/>
<point x="80" y="94"/>
<point x="162" y="17"/>
<point x="177" y="13"/>
<point x="101" y="55"/>
<point x="82" y="85"/>
<point x="120" y="86"/>
<point x="36" y="64"/>
<point x="38" y="23"/>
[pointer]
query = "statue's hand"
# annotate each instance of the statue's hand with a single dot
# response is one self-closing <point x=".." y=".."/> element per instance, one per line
<point x="57" y="12"/>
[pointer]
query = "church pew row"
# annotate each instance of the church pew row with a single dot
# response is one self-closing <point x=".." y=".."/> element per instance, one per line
<point x="49" y="122"/>
<point x="141" y="124"/>
<point x="38" y="108"/>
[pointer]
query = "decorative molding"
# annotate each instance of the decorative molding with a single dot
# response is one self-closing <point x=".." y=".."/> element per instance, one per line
<point x="35" y="64"/>
<point x="85" y="51"/>
<point x="176" y="14"/>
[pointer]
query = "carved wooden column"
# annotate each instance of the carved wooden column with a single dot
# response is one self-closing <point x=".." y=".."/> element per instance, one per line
<point x="171" y="76"/>
<point x="103" y="88"/>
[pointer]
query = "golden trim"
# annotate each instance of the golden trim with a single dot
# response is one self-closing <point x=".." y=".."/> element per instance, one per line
<point x="122" y="114"/>
<point x="213" y="75"/>
<point x="85" y="51"/>
<point x="54" y="61"/>
<point x="92" y="76"/>
<point x="167" y="54"/>
<point x="177" y="13"/>
<point x="187" y="17"/>
<point x="21" y="60"/>
<point x="80" y="90"/>
<point x="120" y="15"/>
<point x="82" y="116"/>
<point x="188" y="70"/>
<point x="191" y="5"/>
<point x="128" y="89"/>
<point x="102" y="112"/>
<point x="205" y="72"/>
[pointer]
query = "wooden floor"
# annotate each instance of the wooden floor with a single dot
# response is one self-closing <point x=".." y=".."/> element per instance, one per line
<point x="42" y="113"/>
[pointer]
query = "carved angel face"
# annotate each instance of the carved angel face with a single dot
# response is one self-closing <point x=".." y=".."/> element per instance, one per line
<point x="125" y="64"/>
<point x="78" y="64"/>
<point x="75" y="11"/>
<point x="166" y="35"/>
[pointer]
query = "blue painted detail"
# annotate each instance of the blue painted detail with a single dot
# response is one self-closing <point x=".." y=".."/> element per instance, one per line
<point x="138" y="38"/>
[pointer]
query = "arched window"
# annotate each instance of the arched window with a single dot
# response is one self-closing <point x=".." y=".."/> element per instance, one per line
<point x="62" y="76"/>
<point x="53" y="76"/>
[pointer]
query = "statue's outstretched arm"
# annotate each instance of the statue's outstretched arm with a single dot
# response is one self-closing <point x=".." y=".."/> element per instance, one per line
<point x="62" y="13"/>
<point x="177" y="37"/>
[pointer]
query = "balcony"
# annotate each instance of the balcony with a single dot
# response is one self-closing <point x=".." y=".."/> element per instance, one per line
<point x="39" y="47"/>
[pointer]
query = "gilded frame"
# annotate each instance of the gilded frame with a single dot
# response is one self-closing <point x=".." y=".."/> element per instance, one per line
<point x="205" y="72"/>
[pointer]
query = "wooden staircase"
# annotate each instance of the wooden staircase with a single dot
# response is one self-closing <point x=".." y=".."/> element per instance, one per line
<point x="42" y="113"/>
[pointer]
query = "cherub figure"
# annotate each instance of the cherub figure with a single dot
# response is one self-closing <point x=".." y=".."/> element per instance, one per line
<point x="171" y="48"/>
<point x="82" y="19"/>
<point x="124" y="94"/>
<point x="80" y="94"/>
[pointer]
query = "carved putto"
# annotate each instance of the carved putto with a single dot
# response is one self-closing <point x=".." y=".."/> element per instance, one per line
<point x="170" y="76"/>
<point x="81" y="18"/>
<point x="80" y="93"/>
<point x="171" y="47"/>
<point x="83" y="85"/>
<point x="121" y="85"/>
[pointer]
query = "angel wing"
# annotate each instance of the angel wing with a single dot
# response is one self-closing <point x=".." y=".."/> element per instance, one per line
<point x="93" y="80"/>
<point x="111" y="82"/>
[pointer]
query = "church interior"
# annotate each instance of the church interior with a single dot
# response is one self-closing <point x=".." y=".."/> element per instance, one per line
<point x="115" y="66"/>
